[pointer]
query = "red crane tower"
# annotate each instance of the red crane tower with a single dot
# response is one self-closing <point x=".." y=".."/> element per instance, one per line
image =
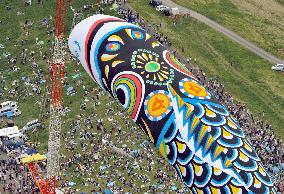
<point x="49" y="184"/>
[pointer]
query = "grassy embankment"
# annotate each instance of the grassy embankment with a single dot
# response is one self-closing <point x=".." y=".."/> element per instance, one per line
<point x="250" y="79"/>
<point x="261" y="22"/>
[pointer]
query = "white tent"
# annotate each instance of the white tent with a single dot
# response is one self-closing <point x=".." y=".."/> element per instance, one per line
<point x="15" y="135"/>
<point x="175" y="11"/>
<point x="57" y="191"/>
<point x="9" y="131"/>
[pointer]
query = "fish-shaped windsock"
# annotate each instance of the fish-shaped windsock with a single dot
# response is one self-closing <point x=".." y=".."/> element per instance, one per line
<point x="193" y="131"/>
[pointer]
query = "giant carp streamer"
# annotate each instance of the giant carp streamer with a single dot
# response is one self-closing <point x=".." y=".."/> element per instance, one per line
<point x="193" y="131"/>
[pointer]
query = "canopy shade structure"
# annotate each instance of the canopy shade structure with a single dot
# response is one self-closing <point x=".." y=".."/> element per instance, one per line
<point x="9" y="131"/>
<point x="33" y="158"/>
<point x="192" y="130"/>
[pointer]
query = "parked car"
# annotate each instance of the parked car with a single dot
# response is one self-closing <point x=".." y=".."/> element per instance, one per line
<point x="278" y="67"/>
<point x="155" y="3"/>
<point x="31" y="125"/>
<point x="171" y="11"/>
<point x="167" y="12"/>
<point x="161" y="7"/>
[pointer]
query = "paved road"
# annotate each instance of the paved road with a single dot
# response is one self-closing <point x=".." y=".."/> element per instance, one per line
<point x="260" y="52"/>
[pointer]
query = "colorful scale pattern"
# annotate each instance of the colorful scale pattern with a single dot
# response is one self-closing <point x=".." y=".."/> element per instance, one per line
<point x="212" y="159"/>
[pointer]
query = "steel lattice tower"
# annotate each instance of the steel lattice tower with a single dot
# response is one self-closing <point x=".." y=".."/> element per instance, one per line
<point x="56" y="93"/>
<point x="49" y="184"/>
<point x="57" y="76"/>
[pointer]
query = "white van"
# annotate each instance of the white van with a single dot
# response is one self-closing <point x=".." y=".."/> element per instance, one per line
<point x="31" y="125"/>
<point x="8" y="104"/>
<point x="161" y="7"/>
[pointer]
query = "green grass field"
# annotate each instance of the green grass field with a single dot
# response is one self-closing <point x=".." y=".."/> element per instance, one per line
<point x="261" y="22"/>
<point x="250" y="79"/>
<point x="12" y="27"/>
<point x="280" y="1"/>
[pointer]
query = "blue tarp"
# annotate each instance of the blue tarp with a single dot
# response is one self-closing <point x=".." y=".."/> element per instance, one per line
<point x="174" y="188"/>
<point x="42" y="81"/>
<point x="103" y="167"/>
<point x="9" y="114"/>
<point x="45" y="21"/>
<point x="70" y="90"/>
<point x="107" y="191"/>
<point x="71" y="183"/>
<point x="19" y="143"/>
<point x="77" y="75"/>
<point x="30" y="151"/>
<point x="8" y="143"/>
<point x="110" y="184"/>
<point x="13" y="145"/>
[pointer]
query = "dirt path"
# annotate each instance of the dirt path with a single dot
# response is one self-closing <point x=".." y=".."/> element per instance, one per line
<point x="250" y="46"/>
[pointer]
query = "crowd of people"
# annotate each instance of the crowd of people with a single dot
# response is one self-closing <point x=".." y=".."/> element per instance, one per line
<point x="15" y="178"/>
<point x="121" y="164"/>
<point x="103" y="149"/>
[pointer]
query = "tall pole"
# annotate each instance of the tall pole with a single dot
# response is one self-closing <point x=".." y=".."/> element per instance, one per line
<point x="49" y="184"/>
<point x="56" y="93"/>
